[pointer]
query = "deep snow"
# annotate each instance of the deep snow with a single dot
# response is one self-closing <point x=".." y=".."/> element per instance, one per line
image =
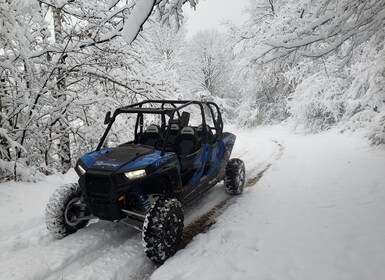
<point x="317" y="213"/>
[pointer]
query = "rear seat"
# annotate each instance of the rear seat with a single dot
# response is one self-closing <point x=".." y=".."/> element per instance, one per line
<point x="187" y="142"/>
<point x="210" y="135"/>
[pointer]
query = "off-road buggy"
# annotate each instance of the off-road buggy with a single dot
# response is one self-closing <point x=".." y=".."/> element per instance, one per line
<point x="145" y="182"/>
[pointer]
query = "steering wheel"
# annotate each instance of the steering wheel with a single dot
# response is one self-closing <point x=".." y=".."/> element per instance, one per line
<point x="159" y="143"/>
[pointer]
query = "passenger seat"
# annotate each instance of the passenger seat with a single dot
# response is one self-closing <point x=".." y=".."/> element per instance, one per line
<point x="174" y="132"/>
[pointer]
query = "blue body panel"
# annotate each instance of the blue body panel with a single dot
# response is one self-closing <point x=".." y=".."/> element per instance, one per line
<point x="200" y="162"/>
<point x="207" y="163"/>
<point x="216" y="157"/>
<point x="155" y="159"/>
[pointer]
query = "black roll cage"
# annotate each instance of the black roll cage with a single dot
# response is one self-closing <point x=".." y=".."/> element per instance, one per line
<point x="176" y="107"/>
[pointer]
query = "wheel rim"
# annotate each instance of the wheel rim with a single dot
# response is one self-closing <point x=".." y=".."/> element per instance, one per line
<point x="71" y="211"/>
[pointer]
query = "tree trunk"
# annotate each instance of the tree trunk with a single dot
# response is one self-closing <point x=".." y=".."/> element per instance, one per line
<point x="64" y="148"/>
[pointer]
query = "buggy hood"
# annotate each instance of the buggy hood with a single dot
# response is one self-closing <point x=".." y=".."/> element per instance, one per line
<point x="124" y="157"/>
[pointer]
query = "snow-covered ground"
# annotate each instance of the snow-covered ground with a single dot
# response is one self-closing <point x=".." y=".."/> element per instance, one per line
<point x="317" y="213"/>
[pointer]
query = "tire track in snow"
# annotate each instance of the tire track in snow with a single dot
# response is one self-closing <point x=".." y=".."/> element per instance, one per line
<point x="27" y="238"/>
<point x="41" y="262"/>
<point x="118" y="262"/>
<point x="254" y="180"/>
<point x="251" y="181"/>
<point x="89" y="257"/>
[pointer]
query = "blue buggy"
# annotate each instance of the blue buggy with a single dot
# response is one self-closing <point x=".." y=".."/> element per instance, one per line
<point x="145" y="182"/>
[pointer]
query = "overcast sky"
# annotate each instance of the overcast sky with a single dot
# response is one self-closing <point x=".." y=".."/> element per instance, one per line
<point x="210" y="13"/>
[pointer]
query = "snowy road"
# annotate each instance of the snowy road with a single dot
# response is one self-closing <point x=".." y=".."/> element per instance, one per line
<point x="317" y="213"/>
<point x="103" y="250"/>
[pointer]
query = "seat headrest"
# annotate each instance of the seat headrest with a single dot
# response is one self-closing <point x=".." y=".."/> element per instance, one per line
<point x="174" y="126"/>
<point x="188" y="130"/>
<point x="152" y="129"/>
<point x="184" y="119"/>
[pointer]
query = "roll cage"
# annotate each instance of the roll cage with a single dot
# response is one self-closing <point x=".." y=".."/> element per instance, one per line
<point x="163" y="108"/>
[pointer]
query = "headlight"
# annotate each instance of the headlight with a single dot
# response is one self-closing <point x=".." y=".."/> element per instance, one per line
<point x="135" y="174"/>
<point x="81" y="170"/>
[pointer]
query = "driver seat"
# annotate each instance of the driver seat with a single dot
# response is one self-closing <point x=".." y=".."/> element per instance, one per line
<point x="151" y="135"/>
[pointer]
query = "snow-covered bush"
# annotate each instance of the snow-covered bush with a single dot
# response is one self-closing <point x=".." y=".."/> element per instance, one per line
<point x="318" y="101"/>
<point x="365" y="97"/>
<point x="350" y="97"/>
<point x="264" y="97"/>
<point x="20" y="171"/>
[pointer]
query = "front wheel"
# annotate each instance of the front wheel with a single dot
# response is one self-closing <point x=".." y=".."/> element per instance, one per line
<point x="163" y="229"/>
<point x="65" y="211"/>
<point x="235" y="176"/>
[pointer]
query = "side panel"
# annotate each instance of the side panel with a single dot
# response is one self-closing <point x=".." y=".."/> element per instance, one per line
<point x="220" y="154"/>
<point x="218" y="158"/>
<point x="228" y="140"/>
<point x="200" y="163"/>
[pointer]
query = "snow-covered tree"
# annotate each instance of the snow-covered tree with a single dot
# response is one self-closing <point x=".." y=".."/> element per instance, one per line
<point x="23" y="30"/>
<point x="56" y="86"/>
<point x="208" y="61"/>
<point x="325" y="55"/>
<point x="325" y="27"/>
<point x="337" y="49"/>
<point x="263" y="87"/>
<point x="112" y="18"/>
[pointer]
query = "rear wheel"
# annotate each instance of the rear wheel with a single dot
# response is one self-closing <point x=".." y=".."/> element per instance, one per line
<point x="235" y="176"/>
<point x="162" y="229"/>
<point x="64" y="211"/>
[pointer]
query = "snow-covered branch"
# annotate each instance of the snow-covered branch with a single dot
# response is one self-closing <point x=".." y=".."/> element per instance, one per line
<point x="344" y="22"/>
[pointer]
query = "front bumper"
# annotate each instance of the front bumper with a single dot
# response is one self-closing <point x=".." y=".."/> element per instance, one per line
<point x="101" y="197"/>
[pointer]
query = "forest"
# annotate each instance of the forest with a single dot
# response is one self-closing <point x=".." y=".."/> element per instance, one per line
<point x="313" y="65"/>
